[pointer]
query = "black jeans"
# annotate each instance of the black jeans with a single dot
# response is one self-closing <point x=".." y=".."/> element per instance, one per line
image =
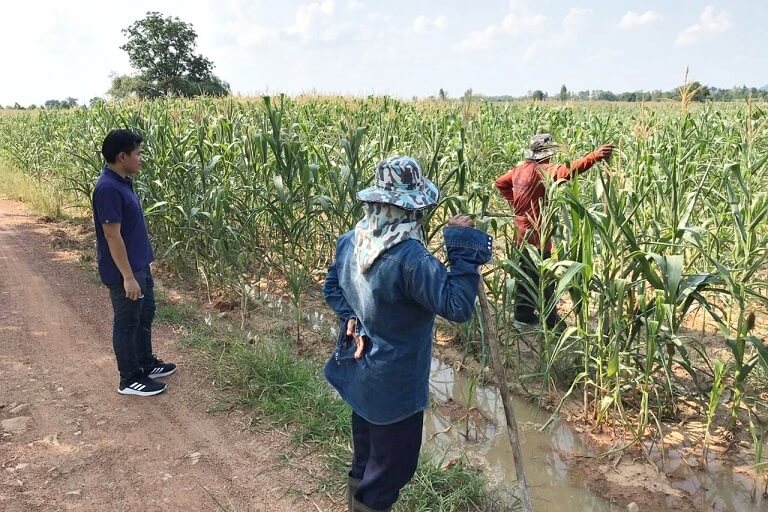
<point x="385" y="458"/>
<point x="132" y="327"/>
<point x="526" y="302"/>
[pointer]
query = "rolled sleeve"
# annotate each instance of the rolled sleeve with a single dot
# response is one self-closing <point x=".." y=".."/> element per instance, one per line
<point x="467" y="245"/>
<point x="451" y="293"/>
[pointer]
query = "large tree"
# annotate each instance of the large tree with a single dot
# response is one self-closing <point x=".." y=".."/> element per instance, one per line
<point x="162" y="49"/>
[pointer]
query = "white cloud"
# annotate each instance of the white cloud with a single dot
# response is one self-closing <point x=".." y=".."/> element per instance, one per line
<point x="573" y="23"/>
<point x="576" y="20"/>
<point x="309" y="17"/>
<point x="634" y="19"/>
<point x="342" y="45"/>
<point x="712" y="21"/>
<point x="312" y="23"/>
<point x="518" y="19"/>
<point x="425" y="24"/>
<point x="481" y="39"/>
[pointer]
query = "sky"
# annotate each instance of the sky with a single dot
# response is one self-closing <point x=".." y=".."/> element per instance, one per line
<point x="404" y="48"/>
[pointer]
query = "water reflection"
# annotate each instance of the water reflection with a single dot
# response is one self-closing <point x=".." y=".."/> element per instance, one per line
<point x="719" y="487"/>
<point x="546" y="471"/>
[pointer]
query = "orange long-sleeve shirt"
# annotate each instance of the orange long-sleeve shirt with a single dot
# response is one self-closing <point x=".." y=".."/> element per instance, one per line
<point x="523" y="187"/>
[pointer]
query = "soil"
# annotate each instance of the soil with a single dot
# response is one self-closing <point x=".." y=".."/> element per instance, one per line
<point x="84" y="447"/>
<point x="87" y="441"/>
<point x="680" y="480"/>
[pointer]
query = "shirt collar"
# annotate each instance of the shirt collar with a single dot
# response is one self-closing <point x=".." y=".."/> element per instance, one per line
<point x="112" y="174"/>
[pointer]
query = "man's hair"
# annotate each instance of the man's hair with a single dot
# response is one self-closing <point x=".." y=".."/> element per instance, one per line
<point x="119" y="141"/>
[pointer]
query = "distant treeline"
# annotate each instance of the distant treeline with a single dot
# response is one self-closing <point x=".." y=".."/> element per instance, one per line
<point x="699" y="93"/>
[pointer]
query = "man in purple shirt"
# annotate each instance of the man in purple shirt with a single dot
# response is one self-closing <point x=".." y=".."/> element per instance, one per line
<point x="124" y="256"/>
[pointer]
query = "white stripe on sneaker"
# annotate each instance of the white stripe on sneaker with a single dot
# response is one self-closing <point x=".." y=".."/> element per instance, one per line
<point x="141" y="390"/>
<point x="162" y="372"/>
<point x="135" y="385"/>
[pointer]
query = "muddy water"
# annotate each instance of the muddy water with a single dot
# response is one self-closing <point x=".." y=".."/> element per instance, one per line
<point x="717" y="488"/>
<point x="547" y="474"/>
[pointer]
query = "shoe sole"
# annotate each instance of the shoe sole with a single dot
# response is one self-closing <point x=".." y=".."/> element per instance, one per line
<point x="161" y="375"/>
<point x="129" y="391"/>
<point x="532" y="323"/>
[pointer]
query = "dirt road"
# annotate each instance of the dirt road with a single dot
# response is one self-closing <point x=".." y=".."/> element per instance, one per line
<point x="81" y="446"/>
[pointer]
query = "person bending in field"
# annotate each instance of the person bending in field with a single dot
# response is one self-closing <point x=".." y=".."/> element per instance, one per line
<point x="124" y="256"/>
<point x="524" y="188"/>
<point x="386" y="288"/>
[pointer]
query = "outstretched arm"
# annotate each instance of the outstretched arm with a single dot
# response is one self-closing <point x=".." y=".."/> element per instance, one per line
<point x="562" y="172"/>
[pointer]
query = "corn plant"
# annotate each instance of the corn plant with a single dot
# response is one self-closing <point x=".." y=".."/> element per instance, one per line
<point x="238" y="190"/>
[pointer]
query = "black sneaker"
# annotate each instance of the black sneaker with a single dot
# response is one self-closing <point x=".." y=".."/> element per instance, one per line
<point x="159" y="369"/>
<point x="555" y="323"/>
<point x="141" y="387"/>
<point x="527" y="318"/>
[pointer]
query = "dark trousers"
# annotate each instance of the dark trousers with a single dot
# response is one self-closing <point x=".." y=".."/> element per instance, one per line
<point x="525" y="300"/>
<point x="132" y="327"/>
<point x="385" y="458"/>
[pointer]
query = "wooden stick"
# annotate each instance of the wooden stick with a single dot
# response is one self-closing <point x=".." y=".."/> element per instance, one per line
<point x="498" y="366"/>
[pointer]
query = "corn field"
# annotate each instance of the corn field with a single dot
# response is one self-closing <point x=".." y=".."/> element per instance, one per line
<point x="671" y="234"/>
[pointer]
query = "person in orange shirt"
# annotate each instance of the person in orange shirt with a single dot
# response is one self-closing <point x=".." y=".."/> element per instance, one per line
<point x="524" y="188"/>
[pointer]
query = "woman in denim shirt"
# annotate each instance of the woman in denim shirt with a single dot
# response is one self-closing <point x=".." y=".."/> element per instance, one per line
<point x="387" y="288"/>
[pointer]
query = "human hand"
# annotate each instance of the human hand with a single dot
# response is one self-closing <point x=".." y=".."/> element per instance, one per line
<point x="132" y="288"/>
<point x="604" y="152"/>
<point x="359" y="340"/>
<point x="462" y="221"/>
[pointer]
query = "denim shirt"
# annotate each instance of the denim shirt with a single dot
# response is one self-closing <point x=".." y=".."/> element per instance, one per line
<point x="395" y="304"/>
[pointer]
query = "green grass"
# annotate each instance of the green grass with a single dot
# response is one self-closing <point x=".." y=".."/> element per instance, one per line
<point x="238" y="190"/>
<point x="21" y="187"/>
<point x="170" y="313"/>
<point x="281" y="389"/>
<point x="458" y="487"/>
